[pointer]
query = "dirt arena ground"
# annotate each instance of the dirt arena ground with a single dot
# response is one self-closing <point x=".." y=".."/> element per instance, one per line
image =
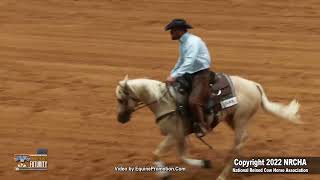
<point x="60" y="62"/>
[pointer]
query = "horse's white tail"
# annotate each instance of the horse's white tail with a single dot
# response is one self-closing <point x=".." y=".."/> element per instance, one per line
<point x="289" y="112"/>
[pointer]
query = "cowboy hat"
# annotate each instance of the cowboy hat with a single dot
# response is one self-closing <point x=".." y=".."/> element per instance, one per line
<point x="178" y="23"/>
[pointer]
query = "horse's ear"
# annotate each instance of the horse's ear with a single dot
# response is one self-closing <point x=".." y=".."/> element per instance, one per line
<point x="126" y="86"/>
<point x="126" y="78"/>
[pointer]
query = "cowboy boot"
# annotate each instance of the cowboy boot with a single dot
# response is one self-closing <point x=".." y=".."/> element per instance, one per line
<point x="201" y="127"/>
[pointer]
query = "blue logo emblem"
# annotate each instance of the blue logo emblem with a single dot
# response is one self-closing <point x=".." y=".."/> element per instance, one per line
<point x="22" y="158"/>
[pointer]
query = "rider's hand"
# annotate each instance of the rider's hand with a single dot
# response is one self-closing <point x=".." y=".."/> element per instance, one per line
<point x="170" y="80"/>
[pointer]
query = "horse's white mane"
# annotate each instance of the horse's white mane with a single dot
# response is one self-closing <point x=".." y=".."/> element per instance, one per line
<point x="141" y="87"/>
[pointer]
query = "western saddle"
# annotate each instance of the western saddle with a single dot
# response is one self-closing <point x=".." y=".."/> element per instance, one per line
<point x="222" y="96"/>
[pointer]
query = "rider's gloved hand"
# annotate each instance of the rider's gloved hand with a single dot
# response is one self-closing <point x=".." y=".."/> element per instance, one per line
<point x="170" y="80"/>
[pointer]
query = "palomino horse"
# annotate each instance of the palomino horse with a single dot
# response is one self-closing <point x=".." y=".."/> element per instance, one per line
<point x="154" y="94"/>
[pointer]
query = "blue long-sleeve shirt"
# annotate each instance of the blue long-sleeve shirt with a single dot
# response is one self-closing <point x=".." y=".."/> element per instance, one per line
<point x="194" y="56"/>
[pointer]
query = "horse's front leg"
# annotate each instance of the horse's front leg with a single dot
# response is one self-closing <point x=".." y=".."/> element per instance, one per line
<point x="181" y="137"/>
<point x="161" y="150"/>
<point x="182" y="153"/>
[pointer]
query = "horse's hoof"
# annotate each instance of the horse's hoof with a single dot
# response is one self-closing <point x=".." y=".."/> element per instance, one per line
<point x="168" y="177"/>
<point x="207" y="164"/>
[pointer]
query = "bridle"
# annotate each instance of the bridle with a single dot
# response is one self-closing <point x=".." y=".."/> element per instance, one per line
<point x="138" y="101"/>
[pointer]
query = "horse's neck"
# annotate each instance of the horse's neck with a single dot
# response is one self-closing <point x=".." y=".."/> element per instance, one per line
<point x="147" y="90"/>
<point x="156" y="95"/>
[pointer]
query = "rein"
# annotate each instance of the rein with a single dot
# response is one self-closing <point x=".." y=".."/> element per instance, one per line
<point x="140" y="104"/>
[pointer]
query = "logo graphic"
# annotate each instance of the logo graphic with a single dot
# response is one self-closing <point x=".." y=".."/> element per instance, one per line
<point x="33" y="162"/>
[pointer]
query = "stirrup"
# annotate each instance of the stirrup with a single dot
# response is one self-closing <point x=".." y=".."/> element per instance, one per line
<point x="200" y="131"/>
<point x="200" y="134"/>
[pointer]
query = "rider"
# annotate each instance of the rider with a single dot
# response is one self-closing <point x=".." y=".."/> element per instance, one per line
<point x="194" y="61"/>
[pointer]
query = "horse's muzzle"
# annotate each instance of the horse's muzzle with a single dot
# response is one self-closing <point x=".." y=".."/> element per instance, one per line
<point x="124" y="117"/>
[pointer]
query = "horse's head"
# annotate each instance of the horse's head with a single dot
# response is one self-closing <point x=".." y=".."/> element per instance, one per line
<point x="127" y="100"/>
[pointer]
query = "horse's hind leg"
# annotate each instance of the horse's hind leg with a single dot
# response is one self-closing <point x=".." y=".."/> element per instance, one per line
<point x="241" y="134"/>
<point x="240" y="128"/>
